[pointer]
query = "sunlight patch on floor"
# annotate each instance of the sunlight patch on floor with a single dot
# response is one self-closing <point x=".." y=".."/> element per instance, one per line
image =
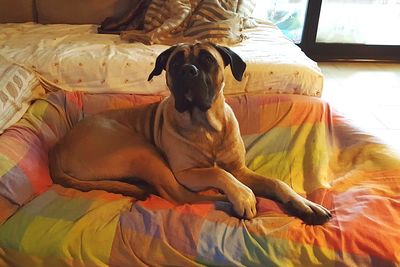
<point x="368" y="94"/>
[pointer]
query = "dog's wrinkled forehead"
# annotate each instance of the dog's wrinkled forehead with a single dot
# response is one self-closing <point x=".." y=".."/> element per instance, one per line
<point x="189" y="52"/>
<point x="205" y="53"/>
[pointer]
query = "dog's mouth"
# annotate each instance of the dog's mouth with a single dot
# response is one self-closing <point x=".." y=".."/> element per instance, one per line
<point x="197" y="96"/>
<point x="183" y="104"/>
<point x="204" y="107"/>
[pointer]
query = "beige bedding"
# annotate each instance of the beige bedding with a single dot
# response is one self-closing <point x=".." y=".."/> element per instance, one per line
<point x="75" y="58"/>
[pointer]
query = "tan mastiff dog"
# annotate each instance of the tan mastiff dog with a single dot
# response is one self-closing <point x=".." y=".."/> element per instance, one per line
<point x="188" y="142"/>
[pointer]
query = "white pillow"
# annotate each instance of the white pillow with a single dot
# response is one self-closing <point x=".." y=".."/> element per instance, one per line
<point x="18" y="87"/>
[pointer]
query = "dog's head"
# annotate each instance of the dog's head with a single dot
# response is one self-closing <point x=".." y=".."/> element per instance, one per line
<point x="195" y="73"/>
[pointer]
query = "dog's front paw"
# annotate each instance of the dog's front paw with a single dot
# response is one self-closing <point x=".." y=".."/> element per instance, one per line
<point x="243" y="201"/>
<point x="308" y="211"/>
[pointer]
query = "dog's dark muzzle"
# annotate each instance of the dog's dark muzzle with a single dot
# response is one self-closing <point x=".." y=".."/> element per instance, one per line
<point x="190" y="89"/>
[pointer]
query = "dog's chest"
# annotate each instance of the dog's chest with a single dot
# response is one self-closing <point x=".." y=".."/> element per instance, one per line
<point x="201" y="140"/>
<point x="208" y="141"/>
<point x="190" y="142"/>
<point x="200" y="145"/>
<point x="209" y="137"/>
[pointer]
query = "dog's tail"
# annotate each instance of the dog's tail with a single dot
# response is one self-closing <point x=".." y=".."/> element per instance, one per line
<point x="60" y="177"/>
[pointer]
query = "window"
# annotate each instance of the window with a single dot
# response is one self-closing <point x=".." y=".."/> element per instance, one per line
<point x="359" y="22"/>
<point x="288" y="15"/>
<point x="338" y="29"/>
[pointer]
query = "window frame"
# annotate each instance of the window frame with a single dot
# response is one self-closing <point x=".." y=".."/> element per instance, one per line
<point x="340" y="51"/>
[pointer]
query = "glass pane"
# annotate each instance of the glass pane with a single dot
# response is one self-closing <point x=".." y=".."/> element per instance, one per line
<point x="360" y="22"/>
<point x="288" y="15"/>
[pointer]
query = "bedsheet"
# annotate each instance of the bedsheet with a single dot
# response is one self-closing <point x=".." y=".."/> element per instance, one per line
<point x="76" y="58"/>
<point x="297" y="139"/>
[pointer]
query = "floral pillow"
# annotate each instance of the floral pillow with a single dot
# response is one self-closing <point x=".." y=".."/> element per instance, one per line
<point x="18" y="87"/>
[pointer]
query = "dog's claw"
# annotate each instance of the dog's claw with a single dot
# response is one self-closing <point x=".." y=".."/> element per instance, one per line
<point x="244" y="202"/>
<point x="310" y="212"/>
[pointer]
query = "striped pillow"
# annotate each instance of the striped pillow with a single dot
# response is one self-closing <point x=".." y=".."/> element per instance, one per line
<point x="245" y="7"/>
<point x="171" y="22"/>
<point x="170" y="13"/>
<point x="245" y="10"/>
<point x="215" y="21"/>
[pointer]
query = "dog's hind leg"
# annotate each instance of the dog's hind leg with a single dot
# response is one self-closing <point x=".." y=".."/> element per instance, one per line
<point x="63" y="178"/>
<point x="130" y="157"/>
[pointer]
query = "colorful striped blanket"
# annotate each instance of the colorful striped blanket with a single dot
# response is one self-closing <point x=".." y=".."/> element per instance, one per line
<point x="297" y="139"/>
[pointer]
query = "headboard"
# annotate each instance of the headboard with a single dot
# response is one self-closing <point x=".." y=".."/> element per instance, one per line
<point x="62" y="11"/>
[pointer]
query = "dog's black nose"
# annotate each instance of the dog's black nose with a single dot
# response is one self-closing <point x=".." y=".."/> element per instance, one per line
<point x="189" y="71"/>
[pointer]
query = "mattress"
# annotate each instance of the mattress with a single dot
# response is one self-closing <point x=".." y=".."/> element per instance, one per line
<point x="74" y="57"/>
<point x="297" y="139"/>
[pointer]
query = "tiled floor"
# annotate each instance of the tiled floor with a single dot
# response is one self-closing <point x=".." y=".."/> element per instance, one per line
<point x="367" y="93"/>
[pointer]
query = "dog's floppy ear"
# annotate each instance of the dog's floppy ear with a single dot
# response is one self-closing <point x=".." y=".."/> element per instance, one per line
<point x="161" y="62"/>
<point x="238" y="66"/>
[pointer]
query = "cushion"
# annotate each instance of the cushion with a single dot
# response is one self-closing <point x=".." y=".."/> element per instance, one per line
<point x="7" y="208"/>
<point x="80" y="11"/>
<point x="18" y="87"/>
<point x="17" y="11"/>
<point x="297" y="139"/>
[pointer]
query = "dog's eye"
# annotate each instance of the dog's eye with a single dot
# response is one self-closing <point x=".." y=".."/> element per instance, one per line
<point x="177" y="60"/>
<point x="175" y="64"/>
<point x="208" y="59"/>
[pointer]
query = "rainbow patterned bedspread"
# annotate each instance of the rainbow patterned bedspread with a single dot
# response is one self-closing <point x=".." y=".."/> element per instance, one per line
<point x="297" y="139"/>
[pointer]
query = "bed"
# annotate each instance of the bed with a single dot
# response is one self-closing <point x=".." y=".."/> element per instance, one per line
<point x="58" y="74"/>
<point x="75" y="57"/>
